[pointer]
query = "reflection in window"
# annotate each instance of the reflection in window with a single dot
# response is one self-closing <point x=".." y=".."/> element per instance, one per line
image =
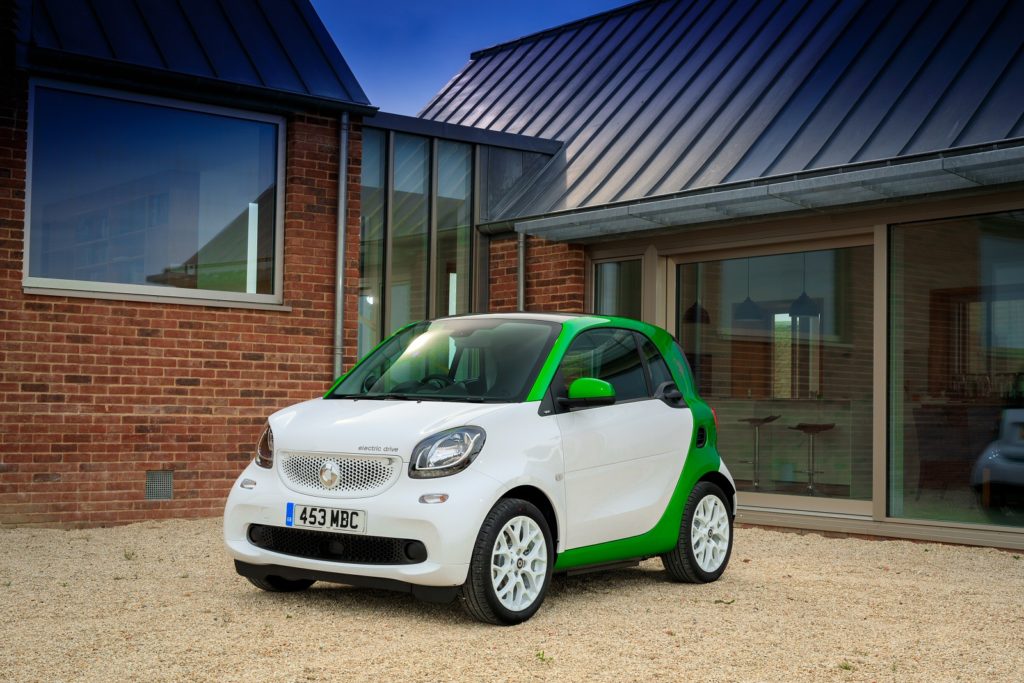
<point x="371" y="239"/>
<point x="407" y="291"/>
<point x="617" y="287"/>
<point x="149" y="197"/>
<point x="957" y="370"/>
<point x="454" y="186"/>
<point x="782" y="346"/>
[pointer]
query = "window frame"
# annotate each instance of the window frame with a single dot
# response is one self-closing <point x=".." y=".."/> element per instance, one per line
<point x="591" y="289"/>
<point x="131" y="292"/>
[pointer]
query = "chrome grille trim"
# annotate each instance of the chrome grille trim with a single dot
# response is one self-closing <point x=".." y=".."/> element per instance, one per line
<point x="361" y="475"/>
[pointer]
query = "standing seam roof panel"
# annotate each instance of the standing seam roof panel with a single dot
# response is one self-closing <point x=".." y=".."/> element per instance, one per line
<point x="643" y="112"/>
<point x="700" y="68"/>
<point x="533" y="79"/>
<point x="759" y="97"/>
<point x="496" y="101"/>
<point x="781" y="130"/>
<point x="121" y="23"/>
<point x="690" y="121"/>
<point x="541" y="106"/>
<point x="265" y="44"/>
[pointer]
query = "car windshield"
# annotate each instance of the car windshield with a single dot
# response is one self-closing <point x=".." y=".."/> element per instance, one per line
<point x="460" y="359"/>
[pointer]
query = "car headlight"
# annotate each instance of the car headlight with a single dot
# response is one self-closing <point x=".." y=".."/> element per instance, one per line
<point x="265" y="449"/>
<point x="446" y="452"/>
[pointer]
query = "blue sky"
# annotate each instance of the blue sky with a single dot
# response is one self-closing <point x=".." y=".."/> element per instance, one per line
<point x="404" y="51"/>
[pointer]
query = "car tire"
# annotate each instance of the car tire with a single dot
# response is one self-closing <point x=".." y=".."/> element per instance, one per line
<point x="705" y="537"/>
<point x="510" y="569"/>
<point x="276" y="584"/>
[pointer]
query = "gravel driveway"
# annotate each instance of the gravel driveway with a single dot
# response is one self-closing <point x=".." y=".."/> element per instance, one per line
<point x="161" y="601"/>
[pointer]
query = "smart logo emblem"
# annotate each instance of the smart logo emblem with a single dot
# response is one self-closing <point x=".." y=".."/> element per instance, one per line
<point x="330" y="474"/>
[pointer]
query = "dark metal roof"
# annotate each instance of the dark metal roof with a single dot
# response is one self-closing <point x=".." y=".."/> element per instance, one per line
<point x="658" y="98"/>
<point x="273" y="48"/>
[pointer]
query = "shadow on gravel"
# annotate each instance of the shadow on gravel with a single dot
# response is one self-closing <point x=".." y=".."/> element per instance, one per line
<point x="326" y="599"/>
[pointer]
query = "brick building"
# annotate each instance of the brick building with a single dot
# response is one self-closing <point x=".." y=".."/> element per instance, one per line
<point x="822" y="201"/>
<point x="157" y="301"/>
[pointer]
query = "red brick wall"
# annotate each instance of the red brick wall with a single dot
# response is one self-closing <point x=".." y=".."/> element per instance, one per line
<point x="95" y="392"/>
<point x="554" y="276"/>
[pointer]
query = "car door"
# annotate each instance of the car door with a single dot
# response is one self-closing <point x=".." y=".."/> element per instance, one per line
<point x="622" y="461"/>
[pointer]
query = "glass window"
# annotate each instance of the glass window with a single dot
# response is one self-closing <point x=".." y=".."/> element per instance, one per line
<point x="607" y="354"/>
<point x="617" y="287"/>
<point x="371" y="238"/>
<point x="141" y="197"/>
<point x="655" y="364"/>
<point x="956" y="389"/>
<point x="782" y="347"/>
<point x="407" y="290"/>
<point x="454" y="187"/>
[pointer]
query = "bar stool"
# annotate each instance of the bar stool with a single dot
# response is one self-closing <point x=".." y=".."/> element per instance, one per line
<point x="812" y="429"/>
<point x="757" y="423"/>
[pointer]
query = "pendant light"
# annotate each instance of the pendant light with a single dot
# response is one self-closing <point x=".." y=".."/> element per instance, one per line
<point x="748" y="311"/>
<point x="803" y="306"/>
<point x="697" y="314"/>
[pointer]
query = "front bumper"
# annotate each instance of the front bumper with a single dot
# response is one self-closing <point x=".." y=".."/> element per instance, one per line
<point x="448" y="530"/>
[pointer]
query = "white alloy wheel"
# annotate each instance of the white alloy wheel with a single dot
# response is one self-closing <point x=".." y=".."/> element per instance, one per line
<point x="709" y="533"/>
<point x="519" y="563"/>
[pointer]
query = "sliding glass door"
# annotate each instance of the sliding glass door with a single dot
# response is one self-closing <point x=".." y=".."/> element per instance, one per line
<point x="782" y="346"/>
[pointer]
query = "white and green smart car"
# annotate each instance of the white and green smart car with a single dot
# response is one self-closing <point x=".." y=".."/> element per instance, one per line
<point x="472" y="457"/>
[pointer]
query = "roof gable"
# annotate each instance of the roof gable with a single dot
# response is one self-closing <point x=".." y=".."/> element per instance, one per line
<point x="663" y="97"/>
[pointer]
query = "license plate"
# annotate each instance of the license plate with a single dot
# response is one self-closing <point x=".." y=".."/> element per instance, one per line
<point x="334" y="519"/>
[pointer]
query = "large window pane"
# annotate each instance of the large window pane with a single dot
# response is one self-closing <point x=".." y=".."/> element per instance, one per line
<point x="371" y="235"/>
<point x="145" y="196"/>
<point x="407" y="289"/>
<point x="617" y="287"/>
<point x="956" y="427"/>
<point x="782" y="347"/>
<point x="454" y="187"/>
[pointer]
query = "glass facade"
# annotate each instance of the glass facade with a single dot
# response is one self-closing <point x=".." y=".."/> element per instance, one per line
<point x="956" y="394"/>
<point x="371" y="238"/>
<point x="504" y="172"/>
<point x="142" y="197"/>
<point x="454" y="226"/>
<point x="782" y="346"/>
<point x="617" y="288"/>
<point x="410" y="218"/>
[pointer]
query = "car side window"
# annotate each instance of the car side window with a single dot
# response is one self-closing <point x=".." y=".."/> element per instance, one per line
<point x="655" y="364"/>
<point x="610" y="355"/>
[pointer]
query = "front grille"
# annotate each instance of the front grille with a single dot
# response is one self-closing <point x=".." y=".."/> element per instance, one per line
<point x="361" y="476"/>
<point x="321" y="545"/>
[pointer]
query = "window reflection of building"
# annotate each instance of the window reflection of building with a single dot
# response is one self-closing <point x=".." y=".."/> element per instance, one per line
<point x="957" y="360"/>
<point x="781" y="338"/>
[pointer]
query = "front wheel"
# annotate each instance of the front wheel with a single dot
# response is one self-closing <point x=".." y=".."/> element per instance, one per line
<point x="705" y="537"/>
<point x="511" y="565"/>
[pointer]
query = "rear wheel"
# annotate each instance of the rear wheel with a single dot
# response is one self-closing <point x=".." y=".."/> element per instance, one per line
<point x="705" y="537"/>
<point x="275" y="584"/>
<point x="511" y="565"/>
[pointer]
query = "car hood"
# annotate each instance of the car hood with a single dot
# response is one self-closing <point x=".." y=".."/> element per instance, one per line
<point x="371" y="427"/>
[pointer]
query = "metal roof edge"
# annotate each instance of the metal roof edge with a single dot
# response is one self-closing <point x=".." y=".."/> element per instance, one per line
<point x="896" y="179"/>
<point x="452" y="131"/>
<point x="79" y="68"/>
<point x="576" y="23"/>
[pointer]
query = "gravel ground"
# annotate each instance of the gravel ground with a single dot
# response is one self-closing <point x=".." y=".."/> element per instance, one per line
<point x="160" y="601"/>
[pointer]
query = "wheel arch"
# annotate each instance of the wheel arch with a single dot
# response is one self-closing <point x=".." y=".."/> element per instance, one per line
<point x="723" y="483"/>
<point x="536" y="496"/>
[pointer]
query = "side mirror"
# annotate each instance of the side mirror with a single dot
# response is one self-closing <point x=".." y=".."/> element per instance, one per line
<point x="588" y="391"/>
